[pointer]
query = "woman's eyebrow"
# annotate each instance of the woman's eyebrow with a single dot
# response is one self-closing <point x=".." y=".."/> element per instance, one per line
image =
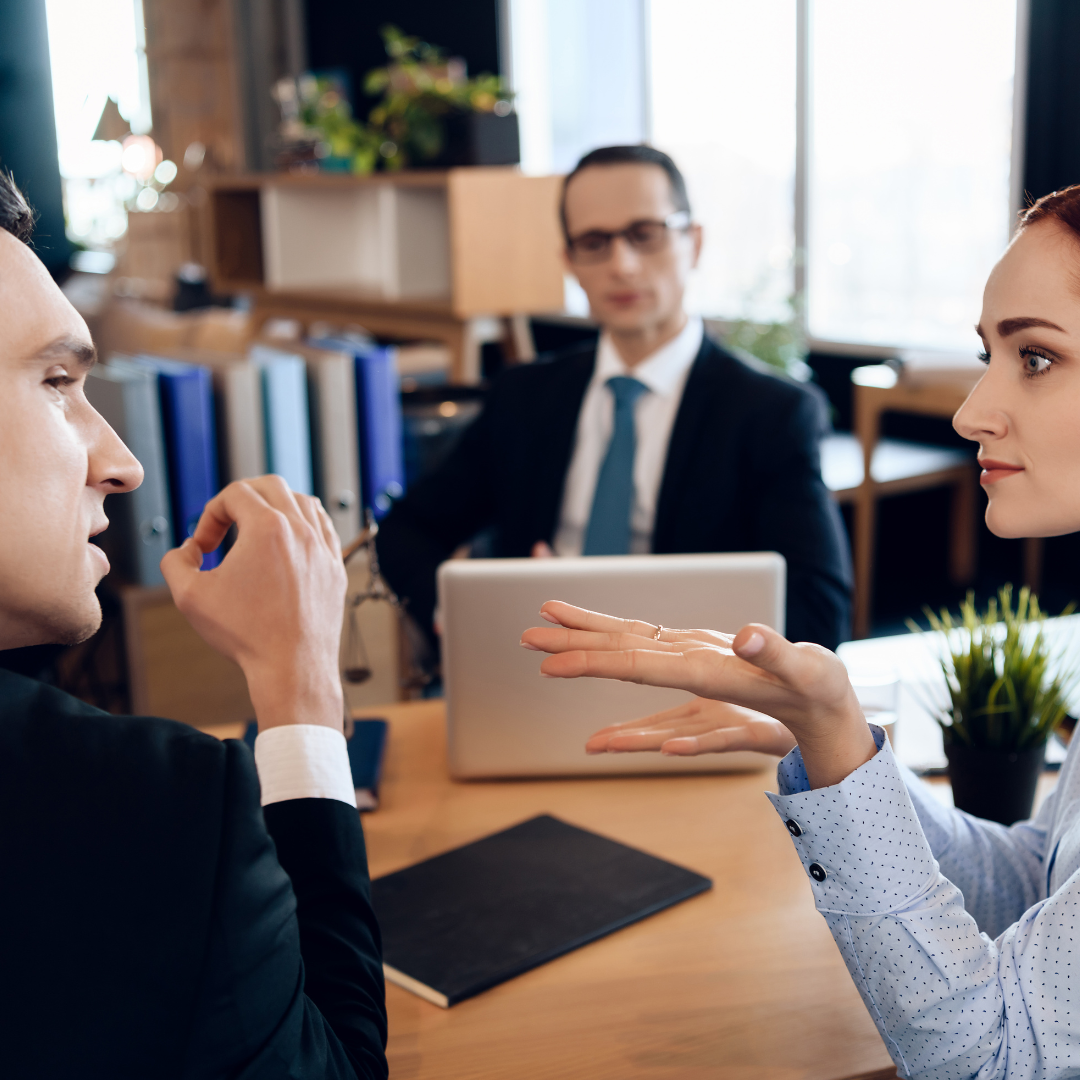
<point x="1007" y="327"/>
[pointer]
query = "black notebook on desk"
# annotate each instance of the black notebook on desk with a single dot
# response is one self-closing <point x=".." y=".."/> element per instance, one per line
<point x="476" y="916"/>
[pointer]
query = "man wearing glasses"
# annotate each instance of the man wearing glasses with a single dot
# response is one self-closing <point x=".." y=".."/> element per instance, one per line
<point x="654" y="439"/>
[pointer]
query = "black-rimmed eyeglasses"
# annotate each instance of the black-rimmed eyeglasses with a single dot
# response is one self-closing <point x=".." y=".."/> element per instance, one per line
<point x="646" y="237"/>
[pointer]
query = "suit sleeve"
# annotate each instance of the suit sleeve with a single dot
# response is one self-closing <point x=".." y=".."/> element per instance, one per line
<point x="292" y="977"/>
<point x="790" y="490"/>
<point x="439" y="513"/>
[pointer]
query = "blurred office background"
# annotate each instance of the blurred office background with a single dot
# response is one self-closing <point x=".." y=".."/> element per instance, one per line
<point x="857" y="168"/>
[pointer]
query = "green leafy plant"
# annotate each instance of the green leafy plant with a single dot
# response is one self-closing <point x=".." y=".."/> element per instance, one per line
<point x="781" y="345"/>
<point x="325" y="109"/>
<point x="317" y="127"/>
<point x="1008" y="691"/>
<point x="421" y="89"/>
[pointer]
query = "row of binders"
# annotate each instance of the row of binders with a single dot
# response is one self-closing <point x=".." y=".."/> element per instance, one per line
<point x="325" y="415"/>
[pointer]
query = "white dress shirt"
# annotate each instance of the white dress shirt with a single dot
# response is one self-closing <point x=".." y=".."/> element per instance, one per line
<point x="303" y="761"/>
<point x="959" y="933"/>
<point x="665" y="374"/>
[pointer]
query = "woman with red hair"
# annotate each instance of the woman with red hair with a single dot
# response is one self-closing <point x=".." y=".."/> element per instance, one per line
<point x="963" y="936"/>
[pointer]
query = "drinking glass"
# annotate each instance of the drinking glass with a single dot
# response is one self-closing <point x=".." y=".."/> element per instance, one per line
<point x="879" y="697"/>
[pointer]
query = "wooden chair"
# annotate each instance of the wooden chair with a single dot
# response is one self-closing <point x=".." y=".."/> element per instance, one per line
<point x="897" y="467"/>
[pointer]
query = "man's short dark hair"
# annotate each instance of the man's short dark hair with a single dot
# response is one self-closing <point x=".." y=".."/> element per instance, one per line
<point x="16" y="217"/>
<point x="628" y="155"/>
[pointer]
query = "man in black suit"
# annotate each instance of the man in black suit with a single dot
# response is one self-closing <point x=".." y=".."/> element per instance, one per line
<point x="656" y="439"/>
<point x="155" y="920"/>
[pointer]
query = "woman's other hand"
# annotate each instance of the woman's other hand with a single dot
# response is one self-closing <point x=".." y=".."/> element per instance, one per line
<point x="804" y="686"/>
<point x="701" y="726"/>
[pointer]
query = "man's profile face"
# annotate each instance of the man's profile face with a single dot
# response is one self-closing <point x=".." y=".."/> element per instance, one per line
<point x="630" y="290"/>
<point x="58" y="461"/>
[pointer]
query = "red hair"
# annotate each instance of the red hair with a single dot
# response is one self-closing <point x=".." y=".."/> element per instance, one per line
<point x="1061" y="206"/>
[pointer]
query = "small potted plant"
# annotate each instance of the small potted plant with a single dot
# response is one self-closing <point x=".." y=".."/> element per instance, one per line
<point x="431" y="115"/>
<point x="1008" y="691"/>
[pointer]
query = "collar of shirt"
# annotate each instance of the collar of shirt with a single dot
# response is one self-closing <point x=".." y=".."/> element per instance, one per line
<point x="665" y="371"/>
<point x="665" y="374"/>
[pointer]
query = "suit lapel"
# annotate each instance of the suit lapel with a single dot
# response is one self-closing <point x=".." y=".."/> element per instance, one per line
<point x="556" y="443"/>
<point x="702" y="404"/>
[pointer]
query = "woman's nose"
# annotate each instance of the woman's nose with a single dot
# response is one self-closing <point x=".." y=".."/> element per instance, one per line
<point x="984" y="415"/>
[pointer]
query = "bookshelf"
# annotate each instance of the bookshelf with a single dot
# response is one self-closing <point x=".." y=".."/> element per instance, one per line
<point x="425" y="254"/>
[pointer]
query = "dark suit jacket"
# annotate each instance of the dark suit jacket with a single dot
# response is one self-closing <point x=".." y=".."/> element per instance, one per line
<point x="742" y="474"/>
<point x="155" y="923"/>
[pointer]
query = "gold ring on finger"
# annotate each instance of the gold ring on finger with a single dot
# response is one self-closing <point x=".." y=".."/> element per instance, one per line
<point x="659" y="631"/>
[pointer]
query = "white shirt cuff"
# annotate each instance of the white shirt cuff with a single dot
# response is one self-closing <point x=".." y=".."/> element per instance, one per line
<point x="303" y="761"/>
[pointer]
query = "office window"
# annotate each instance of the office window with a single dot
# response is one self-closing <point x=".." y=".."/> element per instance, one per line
<point x="723" y="105"/>
<point x="908" y="145"/>
<point x="578" y="69"/>
<point x="97" y="51"/>
<point x="910" y="140"/>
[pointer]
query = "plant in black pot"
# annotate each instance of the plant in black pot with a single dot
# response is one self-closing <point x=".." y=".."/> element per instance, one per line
<point x="432" y="114"/>
<point x="1007" y="693"/>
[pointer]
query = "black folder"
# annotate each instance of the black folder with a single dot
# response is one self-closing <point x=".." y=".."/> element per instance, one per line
<point x="462" y="922"/>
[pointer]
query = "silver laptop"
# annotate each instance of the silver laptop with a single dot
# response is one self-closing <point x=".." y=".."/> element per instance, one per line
<point x="505" y="720"/>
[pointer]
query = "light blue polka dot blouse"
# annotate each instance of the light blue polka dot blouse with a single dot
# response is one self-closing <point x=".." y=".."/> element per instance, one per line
<point x="963" y="936"/>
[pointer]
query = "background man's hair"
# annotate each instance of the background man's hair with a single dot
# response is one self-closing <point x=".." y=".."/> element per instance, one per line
<point x="16" y="217"/>
<point x="628" y="155"/>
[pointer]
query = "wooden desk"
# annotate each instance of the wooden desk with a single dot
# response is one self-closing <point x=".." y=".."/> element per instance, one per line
<point x="744" y="982"/>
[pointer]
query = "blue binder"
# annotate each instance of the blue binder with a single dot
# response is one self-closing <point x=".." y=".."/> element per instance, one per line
<point x="285" y="405"/>
<point x="378" y="419"/>
<point x="187" y="414"/>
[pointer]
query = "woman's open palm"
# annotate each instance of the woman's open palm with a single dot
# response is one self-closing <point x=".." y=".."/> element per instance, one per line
<point x="803" y="686"/>
<point x="696" y="727"/>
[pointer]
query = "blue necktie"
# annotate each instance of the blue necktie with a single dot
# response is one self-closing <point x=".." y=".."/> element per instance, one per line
<point x="608" y="531"/>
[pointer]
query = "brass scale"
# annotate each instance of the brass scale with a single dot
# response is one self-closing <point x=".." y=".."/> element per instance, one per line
<point x="357" y="667"/>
